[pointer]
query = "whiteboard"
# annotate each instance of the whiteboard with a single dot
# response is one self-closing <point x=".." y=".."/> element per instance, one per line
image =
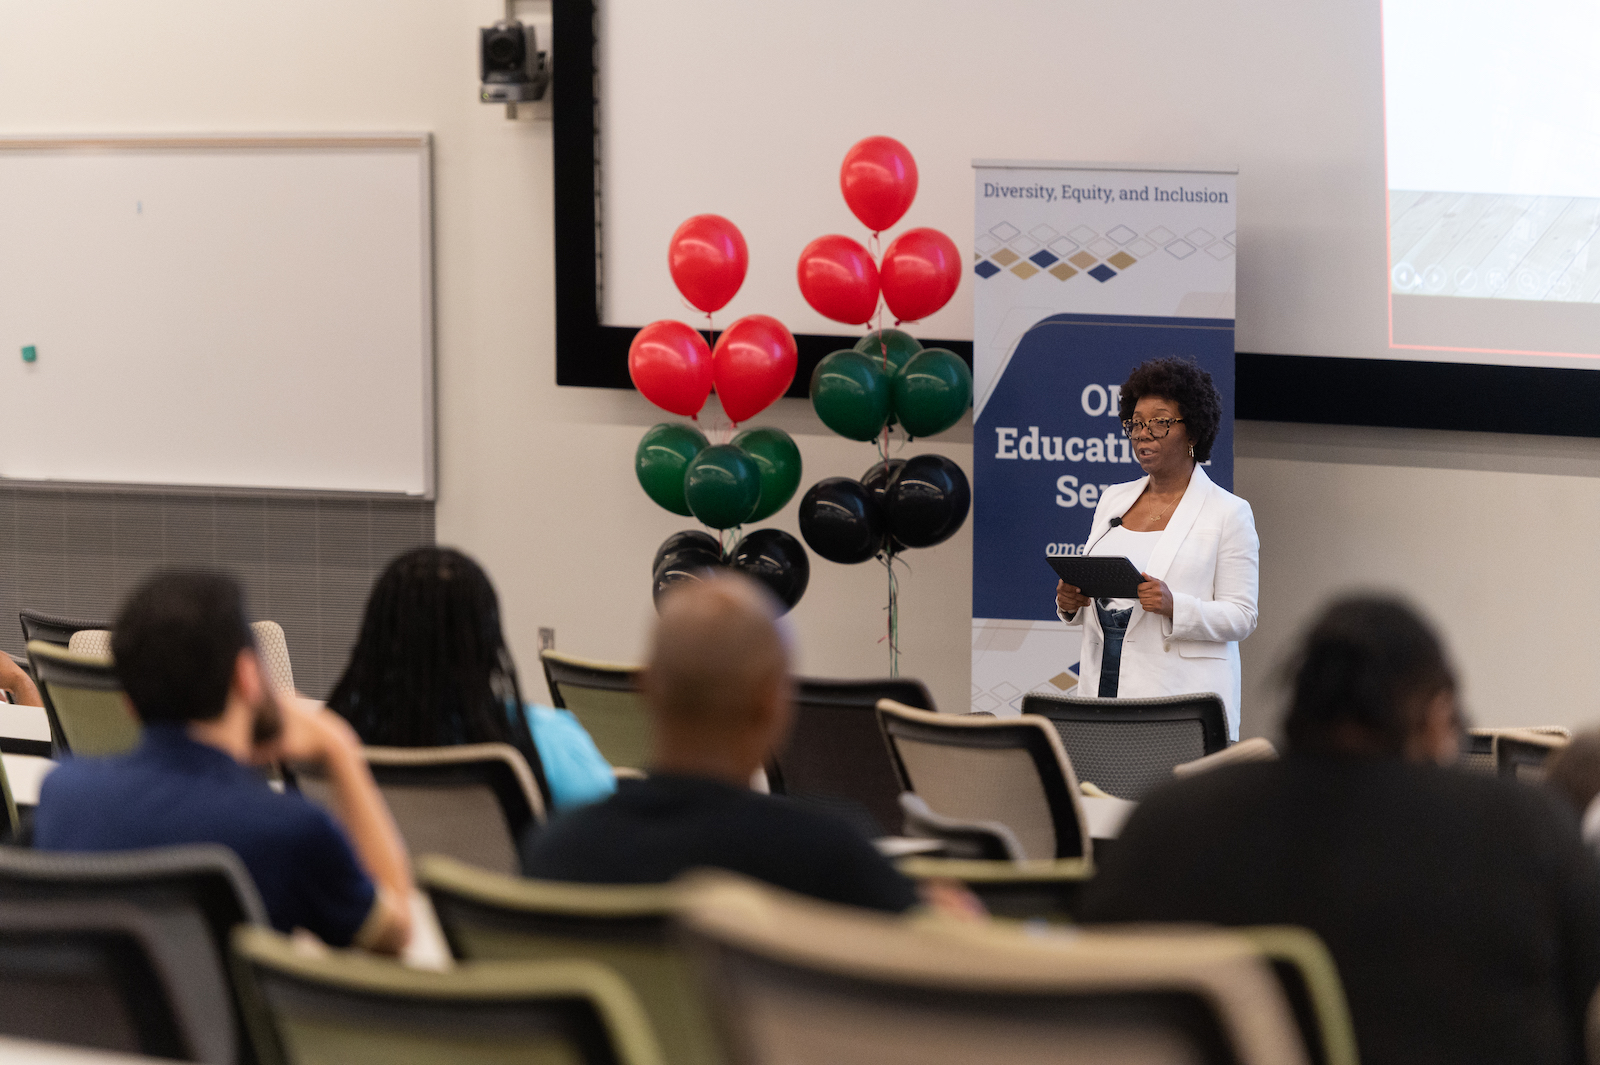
<point x="218" y="311"/>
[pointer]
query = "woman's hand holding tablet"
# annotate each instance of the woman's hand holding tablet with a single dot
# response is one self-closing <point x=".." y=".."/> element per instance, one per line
<point x="1069" y="598"/>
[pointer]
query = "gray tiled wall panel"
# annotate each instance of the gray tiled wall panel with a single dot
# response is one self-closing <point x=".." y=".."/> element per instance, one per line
<point x="307" y="563"/>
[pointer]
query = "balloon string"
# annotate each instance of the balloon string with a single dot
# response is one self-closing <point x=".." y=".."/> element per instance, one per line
<point x="883" y="349"/>
<point x="893" y="608"/>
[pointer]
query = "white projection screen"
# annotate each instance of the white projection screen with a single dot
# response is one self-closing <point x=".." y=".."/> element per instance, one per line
<point x="1461" y="237"/>
<point x="1493" y="114"/>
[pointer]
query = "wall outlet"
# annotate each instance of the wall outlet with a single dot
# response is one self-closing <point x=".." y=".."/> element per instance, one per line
<point x="547" y="640"/>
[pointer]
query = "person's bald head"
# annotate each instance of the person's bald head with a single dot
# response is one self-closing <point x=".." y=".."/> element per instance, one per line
<point x="718" y="673"/>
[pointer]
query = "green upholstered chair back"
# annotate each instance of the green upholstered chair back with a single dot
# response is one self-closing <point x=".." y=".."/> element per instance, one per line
<point x="83" y="700"/>
<point x="604" y="699"/>
<point x="1029" y="890"/>
<point x="1311" y="983"/>
<point x="793" y="979"/>
<point x="348" y="1008"/>
<point x="627" y="928"/>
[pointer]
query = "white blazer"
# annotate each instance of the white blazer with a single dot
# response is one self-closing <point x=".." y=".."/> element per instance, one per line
<point x="1210" y="557"/>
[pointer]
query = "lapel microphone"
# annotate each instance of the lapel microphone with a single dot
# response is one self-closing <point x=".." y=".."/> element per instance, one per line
<point x="1116" y="521"/>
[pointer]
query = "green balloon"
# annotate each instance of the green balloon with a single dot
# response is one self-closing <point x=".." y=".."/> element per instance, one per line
<point x="932" y="391"/>
<point x="662" y="460"/>
<point x="779" y="461"/>
<point x="850" y="392"/>
<point x="722" y="486"/>
<point x="900" y="344"/>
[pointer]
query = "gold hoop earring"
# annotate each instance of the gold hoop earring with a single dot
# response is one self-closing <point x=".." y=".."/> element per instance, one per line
<point x="1191" y="451"/>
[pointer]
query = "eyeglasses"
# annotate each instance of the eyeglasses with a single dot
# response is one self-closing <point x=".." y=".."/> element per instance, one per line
<point x="1158" y="428"/>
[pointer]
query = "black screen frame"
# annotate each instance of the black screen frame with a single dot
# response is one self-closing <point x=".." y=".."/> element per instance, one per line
<point x="1302" y="388"/>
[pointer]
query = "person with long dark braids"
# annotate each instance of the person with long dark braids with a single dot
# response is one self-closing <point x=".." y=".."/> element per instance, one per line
<point x="431" y="669"/>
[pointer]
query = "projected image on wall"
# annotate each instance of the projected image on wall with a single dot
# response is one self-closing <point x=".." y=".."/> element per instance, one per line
<point x="1493" y="135"/>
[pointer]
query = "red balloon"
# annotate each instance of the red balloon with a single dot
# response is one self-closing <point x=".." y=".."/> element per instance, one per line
<point x="753" y="364"/>
<point x="921" y="271"/>
<point x="708" y="259"/>
<point x="671" y="365"/>
<point x="879" y="180"/>
<point x="839" y="279"/>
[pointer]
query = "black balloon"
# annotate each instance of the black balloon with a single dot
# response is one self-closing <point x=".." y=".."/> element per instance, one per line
<point x="684" y="556"/>
<point x="777" y="560"/>
<point x="878" y="477"/>
<point x="688" y="538"/>
<point x="877" y="481"/>
<point x="841" y="521"/>
<point x="927" y="501"/>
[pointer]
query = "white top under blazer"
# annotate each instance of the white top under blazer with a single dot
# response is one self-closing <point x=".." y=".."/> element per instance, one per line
<point x="1210" y="557"/>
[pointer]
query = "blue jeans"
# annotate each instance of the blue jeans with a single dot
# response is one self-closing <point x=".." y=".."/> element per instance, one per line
<point x="1114" y="623"/>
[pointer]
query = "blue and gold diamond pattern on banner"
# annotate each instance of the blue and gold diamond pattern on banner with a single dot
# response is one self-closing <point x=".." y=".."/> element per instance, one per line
<point x="1082" y="250"/>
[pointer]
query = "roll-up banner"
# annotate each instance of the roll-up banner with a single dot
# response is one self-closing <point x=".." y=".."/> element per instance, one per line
<point x="1083" y="271"/>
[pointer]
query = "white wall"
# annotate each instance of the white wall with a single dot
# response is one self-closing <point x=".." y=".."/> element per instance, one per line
<point x="1492" y="534"/>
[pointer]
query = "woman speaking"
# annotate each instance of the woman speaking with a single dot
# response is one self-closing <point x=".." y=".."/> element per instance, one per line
<point x="1194" y="543"/>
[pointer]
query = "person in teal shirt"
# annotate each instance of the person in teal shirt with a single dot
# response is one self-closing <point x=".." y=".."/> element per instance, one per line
<point x="431" y="669"/>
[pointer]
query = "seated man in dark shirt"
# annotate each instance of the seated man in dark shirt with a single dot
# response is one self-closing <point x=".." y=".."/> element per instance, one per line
<point x="186" y="657"/>
<point x="1461" y="909"/>
<point x="719" y="694"/>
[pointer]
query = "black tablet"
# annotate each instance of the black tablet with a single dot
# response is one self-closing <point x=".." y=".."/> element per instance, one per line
<point x="1099" y="576"/>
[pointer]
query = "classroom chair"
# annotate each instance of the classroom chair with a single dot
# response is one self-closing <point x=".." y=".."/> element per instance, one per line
<point x="1479" y="746"/>
<point x="349" y="1008"/>
<point x="792" y="979"/>
<point x="486" y="917"/>
<point x="194" y="894"/>
<point x="33" y="1052"/>
<point x="1046" y="889"/>
<point x="472" y="801"/>
<point x="835" y="754"/>
<point x="980" y="840"/>
<point x="1255" y="749"/>
<point x="83" y="701"/>
<point x="1128" y="746"/>
<point x="270" y="644"/>
<point x="108" y="975"/>
<point x="1310" y="981"/>
<point x="53" y="628"/>
<point x="1523" y="753"/>
<point x="1012" y="770"/>
<point x="13" y="824"/>
<point x="606" y="701"/>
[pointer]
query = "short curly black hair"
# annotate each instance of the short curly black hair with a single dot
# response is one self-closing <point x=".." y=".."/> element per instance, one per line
<point x="1187" y="385"/>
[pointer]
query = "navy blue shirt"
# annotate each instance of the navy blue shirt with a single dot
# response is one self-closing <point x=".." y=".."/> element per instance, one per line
<point x="653" y="829"/>
<point x="173" y="790"/>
